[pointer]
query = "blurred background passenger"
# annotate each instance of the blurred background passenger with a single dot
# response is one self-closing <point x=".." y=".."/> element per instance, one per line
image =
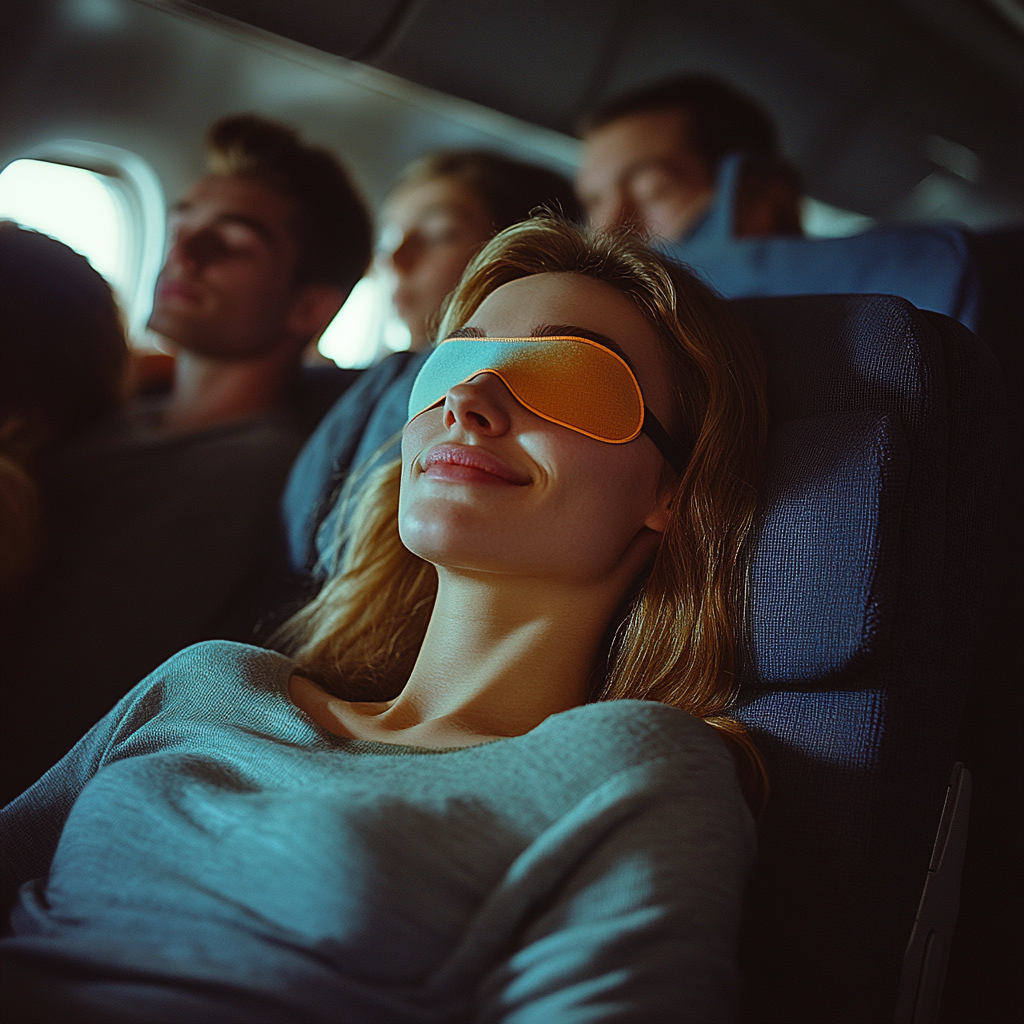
<point x="163" y="514"/>
<point x="697" y="166"/>
<point x="442" y="210"/>
<point x="651" y="157"/>
<point x="62" y="363"/>
<point x="265" y="249"/>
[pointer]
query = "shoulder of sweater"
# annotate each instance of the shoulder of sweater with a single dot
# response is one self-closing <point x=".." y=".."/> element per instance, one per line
<point x="633" y="731"/>
<point x="211" y="676"/>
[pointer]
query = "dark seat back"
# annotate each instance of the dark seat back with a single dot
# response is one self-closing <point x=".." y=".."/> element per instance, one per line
<point x="315" y="391"/>
<point x="931" y="266"/>
<point x="867" y="578"/>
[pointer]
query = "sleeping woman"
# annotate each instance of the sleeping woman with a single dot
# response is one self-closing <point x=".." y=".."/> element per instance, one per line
<point x="495" y="777"/>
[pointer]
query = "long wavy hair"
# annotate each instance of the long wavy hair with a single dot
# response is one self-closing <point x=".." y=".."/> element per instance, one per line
<point x="677" y="639"/>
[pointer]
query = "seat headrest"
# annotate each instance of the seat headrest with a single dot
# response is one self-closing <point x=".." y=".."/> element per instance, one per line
<point x="931" y="266"/>
<point x="824" y="568"/>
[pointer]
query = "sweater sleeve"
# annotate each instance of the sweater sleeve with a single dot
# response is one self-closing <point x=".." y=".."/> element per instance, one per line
<point x="643" y="925"/>
<point x="31" y="824"/>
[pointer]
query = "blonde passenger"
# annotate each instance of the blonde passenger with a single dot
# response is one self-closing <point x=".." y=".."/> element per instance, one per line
<point x="677" y="644"/>
<point x="444" y="207"/>
<point x="442" y="210"/>
<point x="492" y="780"/>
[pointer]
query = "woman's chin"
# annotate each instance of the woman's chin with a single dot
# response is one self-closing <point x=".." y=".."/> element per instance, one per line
<point x="444" y="545"/>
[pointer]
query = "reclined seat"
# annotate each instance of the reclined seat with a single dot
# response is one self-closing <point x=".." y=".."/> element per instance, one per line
<point x="882" y="475"/>
<point x="933" y="267"/>
<point x="883" y="471"/>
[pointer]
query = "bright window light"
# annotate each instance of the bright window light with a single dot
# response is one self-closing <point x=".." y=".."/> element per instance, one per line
<point x="366" y="327"/>
<point x="75" y="206"/>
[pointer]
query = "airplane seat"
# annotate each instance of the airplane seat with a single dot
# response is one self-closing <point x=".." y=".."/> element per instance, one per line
<point x="316" y="389"/>
<point x="987" y="954"/>
<point x="999" y="256"/>
<point x="932" y="267"/>
<point x="867" y="578"/>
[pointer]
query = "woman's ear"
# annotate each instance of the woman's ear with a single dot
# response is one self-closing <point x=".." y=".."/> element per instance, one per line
<point x="661" y="512"/>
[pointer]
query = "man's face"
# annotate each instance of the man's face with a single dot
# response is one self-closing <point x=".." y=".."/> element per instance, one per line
<point x="226" y="289"/>
<point x="638" y="170"/>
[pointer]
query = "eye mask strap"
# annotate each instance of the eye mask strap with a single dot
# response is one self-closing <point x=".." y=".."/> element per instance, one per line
<point x="672" y="452"/>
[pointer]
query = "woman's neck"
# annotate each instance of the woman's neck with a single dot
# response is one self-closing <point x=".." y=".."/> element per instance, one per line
<point x="499" y="657"/>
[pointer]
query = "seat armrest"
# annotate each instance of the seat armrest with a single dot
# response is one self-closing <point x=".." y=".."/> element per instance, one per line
<point x="924" y="963"/>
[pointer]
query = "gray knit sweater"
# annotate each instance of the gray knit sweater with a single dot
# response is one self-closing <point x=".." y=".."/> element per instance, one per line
<point x="208" y="853"/>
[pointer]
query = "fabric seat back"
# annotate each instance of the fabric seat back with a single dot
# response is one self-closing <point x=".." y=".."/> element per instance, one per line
<point x="931" y="266"/>
<point x="866" y="581"/>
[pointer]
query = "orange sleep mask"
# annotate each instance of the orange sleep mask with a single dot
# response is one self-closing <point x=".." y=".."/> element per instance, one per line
<point x="574" y="382"/>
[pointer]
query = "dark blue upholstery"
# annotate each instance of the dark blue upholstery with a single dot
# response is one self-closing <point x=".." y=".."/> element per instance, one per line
<point x="932" y="267"/>
<point x="882" y="470"/>
<point x="883" y="466"/>
<point x="824" y="576"/>
<point x="316" y="390"/>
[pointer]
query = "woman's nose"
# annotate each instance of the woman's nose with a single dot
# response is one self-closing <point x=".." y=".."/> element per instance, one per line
<point x="481" y="405"/>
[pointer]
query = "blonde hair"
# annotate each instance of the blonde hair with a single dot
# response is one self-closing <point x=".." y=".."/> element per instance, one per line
<point x="677" y="643"/>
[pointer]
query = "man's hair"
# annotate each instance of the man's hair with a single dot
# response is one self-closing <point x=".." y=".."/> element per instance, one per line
<point x="509" y="189"/>
<point x="721" y="120"/>
<point x="331" y="224"/>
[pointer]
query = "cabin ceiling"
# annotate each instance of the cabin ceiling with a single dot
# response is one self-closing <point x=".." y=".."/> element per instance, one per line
<point x="868" y="93"/>
<point x="899" y="109"/>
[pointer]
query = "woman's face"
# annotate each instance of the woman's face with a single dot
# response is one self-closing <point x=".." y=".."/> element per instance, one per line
<point x="430" y="232"/>
<point x="489" y="486"/>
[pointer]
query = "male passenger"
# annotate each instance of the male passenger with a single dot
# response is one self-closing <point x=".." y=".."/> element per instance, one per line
<point x="161" y="519"/>
<point x="696" y="165"/>
<point x="264" y="251"/>
<point x="651" y="159"/>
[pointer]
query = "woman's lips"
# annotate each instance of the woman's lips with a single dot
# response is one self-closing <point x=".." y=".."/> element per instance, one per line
<point x="468" y="464"/>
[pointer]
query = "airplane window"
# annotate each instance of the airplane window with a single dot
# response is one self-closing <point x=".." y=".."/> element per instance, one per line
<point x="104" y="202"/>
<point x="75" y="206"/>
<point x="366" y="327"/>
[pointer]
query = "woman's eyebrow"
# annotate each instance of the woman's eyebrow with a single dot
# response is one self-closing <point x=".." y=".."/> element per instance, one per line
<point x="468" y="332"/>
<point x="571" y="330"/>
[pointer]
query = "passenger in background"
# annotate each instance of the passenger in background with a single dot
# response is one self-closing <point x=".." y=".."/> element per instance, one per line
<point x="165" y="513"/>
<point x="696" y="165"/>
<point x="651" y="158"/>
<point x="443" y="209"/>
<point x="264" y="251"/>
<point x="62" y="362"/>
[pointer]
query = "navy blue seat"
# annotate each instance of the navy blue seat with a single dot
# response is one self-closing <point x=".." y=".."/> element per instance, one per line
<point x="985" y="982"/>
<point x="932" y="267"/>
<point x="316" y="390"/>
<point x="864" y="596"/>
<point x="867" y="579"/>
